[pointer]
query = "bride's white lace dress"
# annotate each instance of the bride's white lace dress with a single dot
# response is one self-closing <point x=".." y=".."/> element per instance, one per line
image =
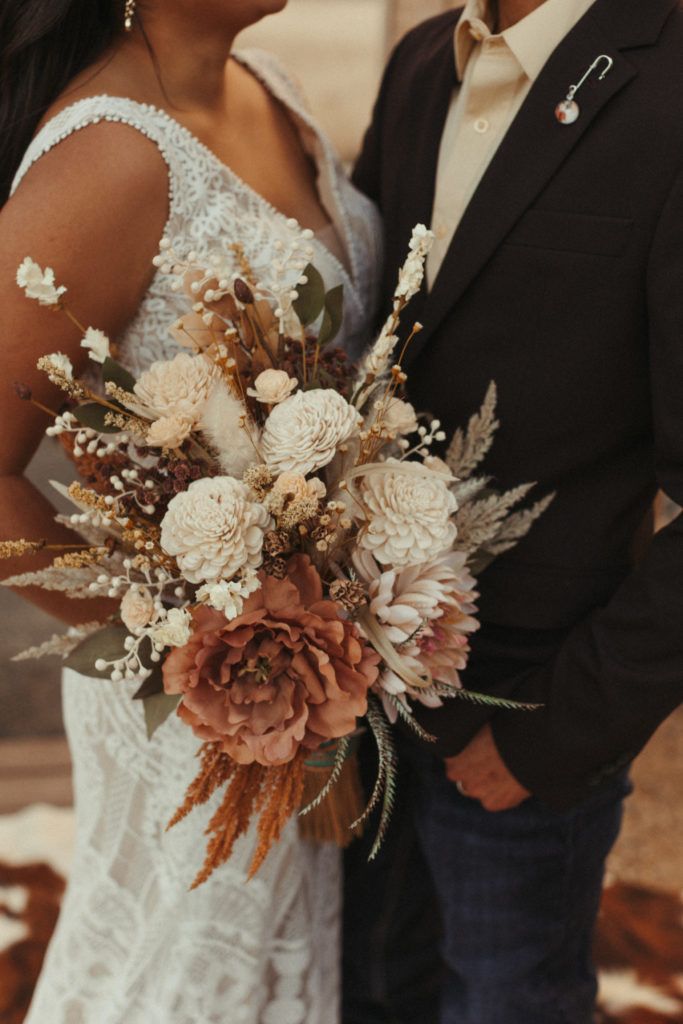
<point x="133" y="945"/>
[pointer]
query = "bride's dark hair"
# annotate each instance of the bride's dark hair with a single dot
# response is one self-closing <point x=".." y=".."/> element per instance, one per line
<point x="43" y="45"/>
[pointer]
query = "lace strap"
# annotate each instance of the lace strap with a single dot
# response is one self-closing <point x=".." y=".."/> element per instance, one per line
<point x="115" y="109"/>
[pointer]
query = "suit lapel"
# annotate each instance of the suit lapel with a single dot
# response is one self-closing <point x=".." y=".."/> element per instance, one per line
<point x="428" y="100"/>
<point x="530" y="154"/>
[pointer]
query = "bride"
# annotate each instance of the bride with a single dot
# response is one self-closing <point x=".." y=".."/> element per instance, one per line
<point x="121" y="123"/>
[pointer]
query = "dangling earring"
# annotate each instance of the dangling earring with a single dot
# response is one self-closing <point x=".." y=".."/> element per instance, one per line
<point x="129" y="14"/>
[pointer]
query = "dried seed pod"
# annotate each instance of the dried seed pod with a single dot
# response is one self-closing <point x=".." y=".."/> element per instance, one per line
<point x="243" y="292"/>
<point x="349" y="594"/>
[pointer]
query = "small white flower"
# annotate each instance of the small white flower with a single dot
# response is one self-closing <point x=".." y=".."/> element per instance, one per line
<point x="272" y="387"/>
<point x="303" y="433"/>
<point x="168" y="432"/>
<point x="97" y="344"/>
<point x="214" y="529"/>
<point x="412" y="272"/>
<point x="175" y="630"/>
<point x="39" y="284"/>
<point x="378" y="358"/>
<point x="228" y="596"/>
<point x="137" y="608"/>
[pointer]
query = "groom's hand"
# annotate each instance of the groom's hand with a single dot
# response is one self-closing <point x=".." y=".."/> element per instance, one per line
<point x="480" y="773"/>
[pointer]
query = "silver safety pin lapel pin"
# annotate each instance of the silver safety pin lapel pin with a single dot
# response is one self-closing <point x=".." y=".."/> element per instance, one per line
<point x="568" y="111"/>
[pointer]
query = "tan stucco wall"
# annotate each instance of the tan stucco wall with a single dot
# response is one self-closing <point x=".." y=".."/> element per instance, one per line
<point x="403" y="14"/>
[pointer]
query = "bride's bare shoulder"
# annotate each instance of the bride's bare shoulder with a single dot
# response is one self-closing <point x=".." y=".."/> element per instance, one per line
<point x="94" y="207"/>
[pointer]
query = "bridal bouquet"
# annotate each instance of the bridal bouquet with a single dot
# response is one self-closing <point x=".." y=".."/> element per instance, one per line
<point x="290" y="561"/>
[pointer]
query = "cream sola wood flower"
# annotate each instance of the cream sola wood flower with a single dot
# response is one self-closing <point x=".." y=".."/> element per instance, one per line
<point x="186" y="394"/>
<point x="272" y="387"/>
<point x="409" y="510"/>
<point x="303" y="433"/>
<point x="214" y="529"/>
<point x="178" y="387"/>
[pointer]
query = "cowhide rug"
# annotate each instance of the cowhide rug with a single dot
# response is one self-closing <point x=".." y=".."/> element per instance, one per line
<point x="639" y="946"/>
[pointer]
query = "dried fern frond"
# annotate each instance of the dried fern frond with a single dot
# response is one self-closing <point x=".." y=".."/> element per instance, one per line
<point x="388" y="760"/>
<point x="479" y="522"/>
<point x="75" y="583"/>
<point x="468" y="449"/>
<point x="405" y="714"/>
<point x="468" y="490"/>
<point x="517" y="525"/>
<point x="339" y="758"/>
<point x="482" y="699"/>
<point x="60" y="644"/>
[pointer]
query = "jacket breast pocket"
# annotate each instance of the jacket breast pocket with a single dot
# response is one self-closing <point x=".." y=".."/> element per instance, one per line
<point x="588" y="233"/>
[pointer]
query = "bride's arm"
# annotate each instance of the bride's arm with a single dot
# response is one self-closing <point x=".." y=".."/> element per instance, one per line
<point x="94" y="209"/>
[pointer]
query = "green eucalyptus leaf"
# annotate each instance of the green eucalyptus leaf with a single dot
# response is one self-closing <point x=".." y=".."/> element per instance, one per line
<point x="153" y="684"/>
<point x="311" y="301"/>
<point x="117" y="374"/>
<point x="158" y="708"/>
<point x="92" y="415"/>
<point x="333" y="317"/>
<point x="107" y="643"/>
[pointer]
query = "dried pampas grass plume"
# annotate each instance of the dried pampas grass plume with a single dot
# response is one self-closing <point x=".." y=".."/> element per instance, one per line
<point x="225" y="424"/>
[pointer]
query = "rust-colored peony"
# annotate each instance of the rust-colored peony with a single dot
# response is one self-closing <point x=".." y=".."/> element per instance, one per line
<point x="285" y="674"/>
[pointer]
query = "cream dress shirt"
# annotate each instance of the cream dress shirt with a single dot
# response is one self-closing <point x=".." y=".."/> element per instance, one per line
<point x="495" y="73"/>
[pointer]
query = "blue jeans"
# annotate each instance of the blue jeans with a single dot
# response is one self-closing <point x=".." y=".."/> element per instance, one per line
<point x="518" y="895"/>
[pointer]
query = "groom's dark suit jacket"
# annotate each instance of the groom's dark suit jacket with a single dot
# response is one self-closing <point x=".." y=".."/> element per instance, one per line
<point x="564" y="284"/>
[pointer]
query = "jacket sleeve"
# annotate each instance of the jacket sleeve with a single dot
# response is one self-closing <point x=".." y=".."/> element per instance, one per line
<point x="367" y="175"/>
<point x="619" y="674"/>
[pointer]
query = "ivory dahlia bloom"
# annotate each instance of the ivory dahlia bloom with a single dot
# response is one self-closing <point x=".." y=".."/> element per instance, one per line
<point x="214" y="529"/>
<point x="288" y="673"/>
<point x="410" y="514"/>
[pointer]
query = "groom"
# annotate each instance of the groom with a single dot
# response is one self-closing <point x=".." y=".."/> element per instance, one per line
<point x="558" y="273"/>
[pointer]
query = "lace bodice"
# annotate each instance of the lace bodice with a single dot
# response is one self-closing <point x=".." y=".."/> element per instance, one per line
<point x="133" y="946"/>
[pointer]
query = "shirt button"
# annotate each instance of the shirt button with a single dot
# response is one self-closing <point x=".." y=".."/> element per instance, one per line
<point x="481" y="126"/>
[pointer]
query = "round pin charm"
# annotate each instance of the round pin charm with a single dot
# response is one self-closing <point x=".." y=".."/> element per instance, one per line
<point x="567" y="112"/>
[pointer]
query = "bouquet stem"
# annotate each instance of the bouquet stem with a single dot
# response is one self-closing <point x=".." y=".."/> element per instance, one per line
<point x="331" y="820"/>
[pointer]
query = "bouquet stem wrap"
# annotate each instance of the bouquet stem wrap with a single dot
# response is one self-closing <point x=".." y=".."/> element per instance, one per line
<point x="330" y="820"/>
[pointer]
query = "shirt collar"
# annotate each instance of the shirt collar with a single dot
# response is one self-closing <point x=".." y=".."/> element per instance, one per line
<point x="531" y="40"/>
